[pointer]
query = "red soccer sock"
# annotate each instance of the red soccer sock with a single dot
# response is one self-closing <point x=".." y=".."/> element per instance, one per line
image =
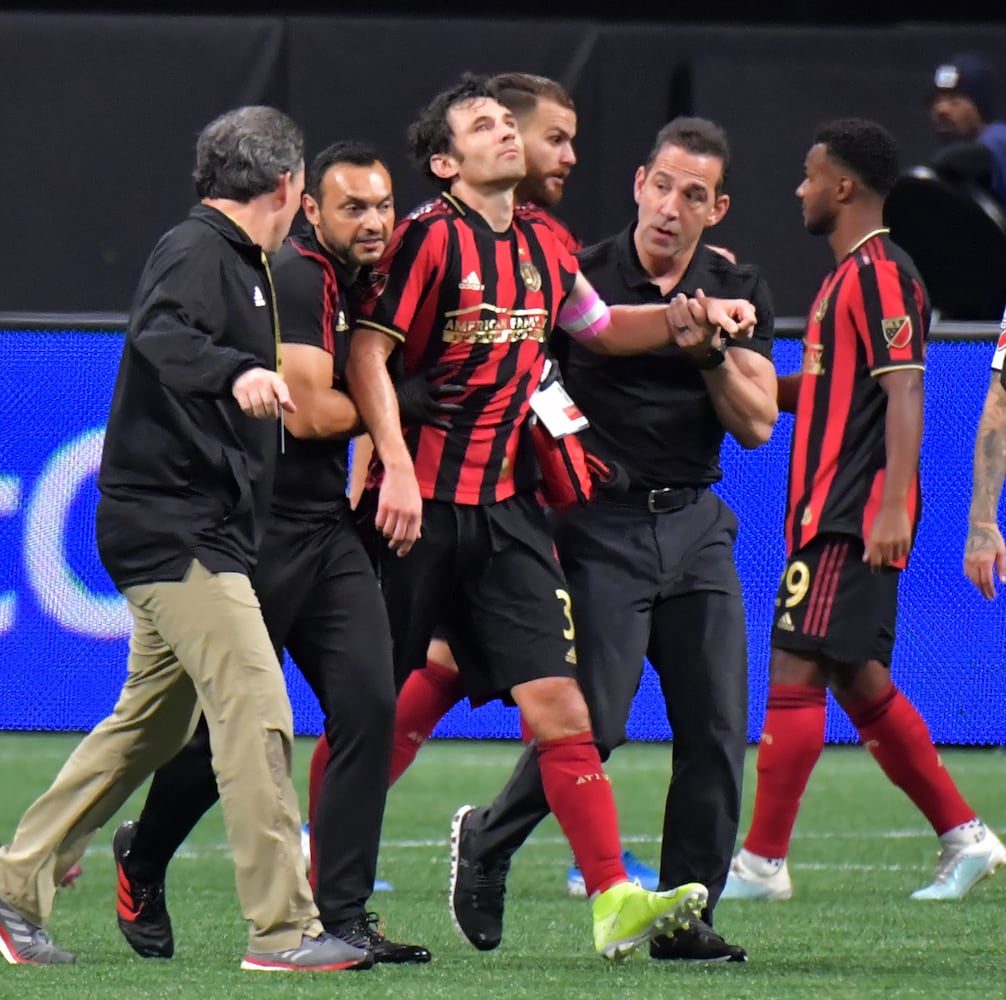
<point x="579" y="795"/>
<point x="315" y="775"/>
<point x="426" y="697"/>
<point x="897" y="736"/>
<point x="791" y="743"/>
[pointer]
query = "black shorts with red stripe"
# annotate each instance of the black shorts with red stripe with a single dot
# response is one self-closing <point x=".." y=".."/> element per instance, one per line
<point x="831" y="606"/>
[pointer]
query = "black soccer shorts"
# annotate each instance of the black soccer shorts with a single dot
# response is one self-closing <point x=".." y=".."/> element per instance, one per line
<point x="833" y="606"/>
<point x="488" y="578"/>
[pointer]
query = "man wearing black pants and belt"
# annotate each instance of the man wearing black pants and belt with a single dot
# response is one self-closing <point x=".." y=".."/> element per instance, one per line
<point x="652" y="573"/>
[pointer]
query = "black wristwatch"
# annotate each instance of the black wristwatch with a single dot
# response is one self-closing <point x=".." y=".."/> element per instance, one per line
<point x="713" y="357"/>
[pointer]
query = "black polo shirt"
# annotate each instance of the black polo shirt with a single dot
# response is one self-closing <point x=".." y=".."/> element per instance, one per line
<point x="315" y="298"/>
<point x="652" y="413"/>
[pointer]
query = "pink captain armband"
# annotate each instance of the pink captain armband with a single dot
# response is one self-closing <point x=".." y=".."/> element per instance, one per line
<point x="586" y="318"/>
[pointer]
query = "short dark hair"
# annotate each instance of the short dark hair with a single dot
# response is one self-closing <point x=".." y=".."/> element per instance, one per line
<point x="243" y="153"/>
<point x="521" y="92"/>
<point x="697" y="136"/>
<point x="352" y="151"/>
<point x="430" y="133"/>
<point x="865" y="147"/>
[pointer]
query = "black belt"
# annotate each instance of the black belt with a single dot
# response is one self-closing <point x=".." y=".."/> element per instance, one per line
<point x="662" y="501"/>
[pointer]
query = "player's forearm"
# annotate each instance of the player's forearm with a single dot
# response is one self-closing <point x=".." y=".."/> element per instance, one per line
<point x="990" y="456"/>
<point x="634" y="330"/>
<point x="902" y="437"/>
<point x="325" y="414"/>
<point x="746" y="408"/>
<point x="374" y="394"/>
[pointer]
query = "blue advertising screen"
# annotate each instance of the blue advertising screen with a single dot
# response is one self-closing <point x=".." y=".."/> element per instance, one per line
<point x="64" y="629"/>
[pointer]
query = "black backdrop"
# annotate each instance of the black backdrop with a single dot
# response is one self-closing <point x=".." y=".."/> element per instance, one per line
<point x="99" y="115"/>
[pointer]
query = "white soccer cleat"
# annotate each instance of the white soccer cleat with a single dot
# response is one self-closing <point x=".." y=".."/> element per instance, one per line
<point x="752" y="877"/>
<point x="961" y="867"/>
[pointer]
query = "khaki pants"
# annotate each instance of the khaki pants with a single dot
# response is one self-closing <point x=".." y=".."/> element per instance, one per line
<point x="197" y="644"/>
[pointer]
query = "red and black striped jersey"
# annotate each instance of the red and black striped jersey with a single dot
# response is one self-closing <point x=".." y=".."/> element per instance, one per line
<point x="871" y="316"/>
<point x="313" y="304"/>
<point x="456" y="293"/>
<point x="535" y="213"/>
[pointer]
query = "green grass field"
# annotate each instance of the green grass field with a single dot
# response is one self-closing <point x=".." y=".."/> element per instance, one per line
<point x="849" y="932"/>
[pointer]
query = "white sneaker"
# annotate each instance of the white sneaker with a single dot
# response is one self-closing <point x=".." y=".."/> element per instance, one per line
<point x="752" y="877"/>
<point x="962" y="866"/>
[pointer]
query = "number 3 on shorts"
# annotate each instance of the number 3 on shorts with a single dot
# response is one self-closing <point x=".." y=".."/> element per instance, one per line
<point x="567" y="609"/>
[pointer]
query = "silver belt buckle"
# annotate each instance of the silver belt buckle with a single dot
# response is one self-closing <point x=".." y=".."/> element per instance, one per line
<point x="654" y="494"/>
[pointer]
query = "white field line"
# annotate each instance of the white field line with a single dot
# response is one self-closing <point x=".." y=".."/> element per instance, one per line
<point x="194" y="853"/>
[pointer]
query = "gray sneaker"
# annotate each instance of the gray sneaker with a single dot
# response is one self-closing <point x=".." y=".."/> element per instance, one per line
<point x="325" y="953"/>
<point x="24" y="943"/>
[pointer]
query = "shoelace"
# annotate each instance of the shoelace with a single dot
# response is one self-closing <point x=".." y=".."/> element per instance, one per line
<point x="946" y="861"/>
<point x="148" y="897"/>
<point x="366" y="928"/>
<point x="492" y="878"/>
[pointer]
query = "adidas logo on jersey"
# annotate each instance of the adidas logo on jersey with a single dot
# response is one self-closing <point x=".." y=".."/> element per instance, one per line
<point x="571" y="655"/>
<point x="786" y="623"/>
<point x="471" y="283"/>
<point x="257" y="297"/>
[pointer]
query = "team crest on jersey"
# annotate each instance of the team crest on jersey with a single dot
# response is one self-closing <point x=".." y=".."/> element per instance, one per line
<point x="822" y="309"/>
<point x="531" y="275"/>
<point x="897" y="332"/>
<point x="813" y="355"/>
<point x="471" y="283"/>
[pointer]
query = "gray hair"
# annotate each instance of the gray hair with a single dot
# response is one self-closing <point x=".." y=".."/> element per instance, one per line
<point x="243" y="153"/>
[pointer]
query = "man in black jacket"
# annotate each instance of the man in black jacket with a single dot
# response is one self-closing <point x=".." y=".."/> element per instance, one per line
<point x="319" y="596"/>
<point x="186" y="480"/>
<point x="651" y="572"/>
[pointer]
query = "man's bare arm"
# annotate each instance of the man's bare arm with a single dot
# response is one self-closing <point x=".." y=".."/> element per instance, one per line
<point x="984" y="550"/>
<point x="400" y="507"/>
<point x="322" y="411"/>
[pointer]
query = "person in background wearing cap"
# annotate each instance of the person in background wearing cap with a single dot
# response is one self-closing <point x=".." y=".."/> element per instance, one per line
<point x="963" y="105"/>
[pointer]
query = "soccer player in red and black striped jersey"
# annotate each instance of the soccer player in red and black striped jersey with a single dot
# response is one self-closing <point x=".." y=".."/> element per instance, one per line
<point x="546" y="117"/>
<point x="852" y="509"/>
<point x="471" y="288"/>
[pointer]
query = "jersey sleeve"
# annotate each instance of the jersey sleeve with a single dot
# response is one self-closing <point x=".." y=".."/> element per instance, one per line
<point x="406" y="277"/>
<point x="887" y="310"/>
<point x="302" y="305"/>
<point x="763" y="338"/>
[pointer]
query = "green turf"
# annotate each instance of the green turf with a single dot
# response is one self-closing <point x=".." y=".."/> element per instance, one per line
<point x="850" y="931"/>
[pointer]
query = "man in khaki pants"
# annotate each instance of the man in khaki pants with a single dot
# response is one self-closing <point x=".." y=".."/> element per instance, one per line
<point x="185" y="481"/>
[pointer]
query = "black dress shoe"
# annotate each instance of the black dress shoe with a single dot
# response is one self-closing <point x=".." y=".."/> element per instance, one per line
<point x="696" y="943"/>
<point x="364" y="931"/>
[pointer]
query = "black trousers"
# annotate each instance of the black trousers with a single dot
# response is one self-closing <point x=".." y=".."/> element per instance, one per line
<point x="663" y="586"/>
<point x="320" y="600"/>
